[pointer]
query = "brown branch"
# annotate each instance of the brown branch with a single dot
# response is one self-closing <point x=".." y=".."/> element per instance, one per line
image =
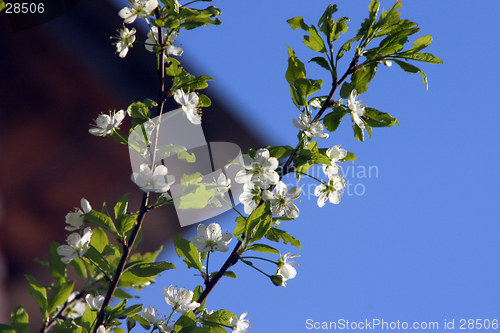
<point x="127" y="247"/>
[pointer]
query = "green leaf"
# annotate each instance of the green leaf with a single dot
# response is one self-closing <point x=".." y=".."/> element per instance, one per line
<point x="339" y="27"/>
<point x="369" y="23"/>
<point x="306" y="158"/>
<point x="57" y="267"/>
<point x="395" y="42"/>
<point x="230" y="274"/>
<point x="204" y="101"/>
<point x="4" y="328"/>
<point x="275" y="235"/>
<point x="98" y="259"/>
<point x="60" y="295"/>
<point x="196" y="296"/>
<point x="423" y="56"/>
<point x="296" y="69"/>
<point x="121" y="206"/>
<point x="389" y="18"/>
<point x="399" y="26"/>
<point x="99" y="239"/>
<point x="376" y="118"/>
<point x="129" y="279"/>
<point x="297" y="98"/>
<point x="263" y="248"/>
<point x="79" y="267"/>
<point x="126" y="222"/>
<point x="258" y="223"/>
<point x="195" y="195"/>
<point x="20" y="320"/>
<point x="307" y="87"/>
<point x="40" y="294"/>
<point x="298" y="22"/>
<point x="420" y="44"/>
<point x="138" y="110"/>
<point x="101" y="220"/>
<point x="314" y="41"/>
<point x="122" y="294"/>
<point x="186" y="249"/>
<point x="187" y="157"/>
<point x="359" y="80"/>
<point x="173" y="68"/>
<point x="87" y="319"/>
<point x="142" y="321"/>
<point x="186" y="320"/>
<point x="221" y="317"/>
<point x="128" y="312"/>
<point x="325" y="23"/>
<point x="213" y="329"/>
<point x="280" y="152"/>
<point x="240" y="227"/>
<point x="349" y="157"/>
<point x="359" y="133"/>
<point x="195" y="83"/>
<point x="322" y="62"/>
<point x="151" y="269"/>
<point x="409" y="68"/>
<point x="346" y="47"/>
<point x="333" y="119"/>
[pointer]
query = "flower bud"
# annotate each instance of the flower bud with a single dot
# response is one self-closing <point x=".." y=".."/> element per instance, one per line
<point x="277" y="280"/>
<point x="131" y="322"/>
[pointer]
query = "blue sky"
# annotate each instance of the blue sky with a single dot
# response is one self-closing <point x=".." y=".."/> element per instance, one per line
<point x="418" y="241"/>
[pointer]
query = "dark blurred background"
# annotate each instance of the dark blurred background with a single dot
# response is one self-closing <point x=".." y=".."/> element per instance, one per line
<point x="55" y="78"/>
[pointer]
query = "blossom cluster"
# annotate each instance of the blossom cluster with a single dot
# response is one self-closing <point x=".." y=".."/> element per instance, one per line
<point x="78" y="243"/>
<point x="332" y="190"/>
<point x="258" y="174"/>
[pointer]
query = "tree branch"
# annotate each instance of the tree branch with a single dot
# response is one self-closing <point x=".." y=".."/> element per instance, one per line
<point x="234" y="256"/>
<point x="127" y="247"/>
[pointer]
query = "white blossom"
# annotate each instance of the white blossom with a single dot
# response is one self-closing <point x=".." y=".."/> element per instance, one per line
<point x="103" y="329"/>
<point x="223" y="185"/>
<point x="239" y="325"/>
<point x="189" y="104"/>
<point x="150" y="315"/>
<point x="75" y="219"/>
<point x="140" y="8"/>
<point x="211" y="238"/>
<point x="77" y="246"/>
<point x="311" y="130"/>
<point x="334" y="154"/>
<point x="180" y="299"/>
<point x="95" y="303"/>
<point x="357" y="111"/>
<point x="76" y="310"/>
<point x="106" y="124"/>
<point x="282" y="200"/>
<point x="286" y="269"/>
<point x="125" y="40"/>
<point x="250" y="197"/>
<point x="259" y="170"/>
<point x="157" y="181"/>
<point x="152" y="41"/>
<point x="330" y="192"/>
